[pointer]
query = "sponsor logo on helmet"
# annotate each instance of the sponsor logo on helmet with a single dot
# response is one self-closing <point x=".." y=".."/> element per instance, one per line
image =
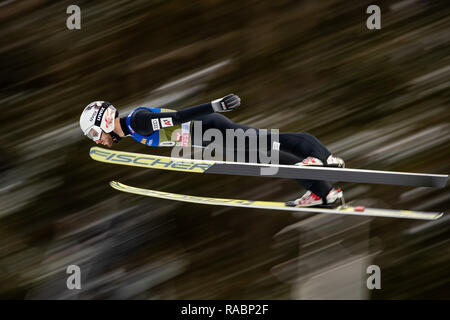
<point x="92" y="117"/>
<point x="109" y="117"/>
<point x="100" y="114"/>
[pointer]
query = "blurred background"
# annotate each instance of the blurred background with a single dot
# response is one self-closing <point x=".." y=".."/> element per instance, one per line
<point x="377" y="98"/>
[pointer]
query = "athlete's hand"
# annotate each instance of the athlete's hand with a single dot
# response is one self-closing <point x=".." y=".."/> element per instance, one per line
<point x="227" y="103"/>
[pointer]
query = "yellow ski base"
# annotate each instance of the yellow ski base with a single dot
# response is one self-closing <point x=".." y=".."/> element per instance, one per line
<point x="348" y="210"/>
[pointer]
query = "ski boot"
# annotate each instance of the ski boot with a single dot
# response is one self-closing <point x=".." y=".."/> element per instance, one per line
<point x="334" y="198"/>
<point x="332" y="161"/>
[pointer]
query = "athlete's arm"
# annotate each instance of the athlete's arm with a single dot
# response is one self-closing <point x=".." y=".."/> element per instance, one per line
<point x="146" y="122"/>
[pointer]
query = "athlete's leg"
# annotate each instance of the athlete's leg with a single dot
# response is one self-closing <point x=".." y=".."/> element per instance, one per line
<point x="303" y="145"/>
<point x="294" y="148"/>
<point x="219" y="122"/>
<point x="321" y="188"/>
<point x="300" y="144"/>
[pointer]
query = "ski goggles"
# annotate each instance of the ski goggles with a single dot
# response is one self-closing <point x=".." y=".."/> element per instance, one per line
<point x="94" y="133"/>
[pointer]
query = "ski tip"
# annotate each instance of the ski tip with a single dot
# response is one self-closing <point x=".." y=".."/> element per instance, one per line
<point x="440" y="214"/>
<point x="436" y="216"/>
<point x="114" y="184"/>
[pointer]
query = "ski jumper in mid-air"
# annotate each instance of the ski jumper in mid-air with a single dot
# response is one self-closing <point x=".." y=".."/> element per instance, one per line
<point x="163" y="127"/>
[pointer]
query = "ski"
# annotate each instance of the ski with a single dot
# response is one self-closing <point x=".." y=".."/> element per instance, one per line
<point x="254" y="169"/>
<point x="269" y="205"/>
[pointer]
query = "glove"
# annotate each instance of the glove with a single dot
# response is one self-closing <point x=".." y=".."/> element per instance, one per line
<point x="227" y="103"/>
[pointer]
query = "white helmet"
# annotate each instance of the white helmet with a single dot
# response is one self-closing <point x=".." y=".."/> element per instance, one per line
<point x="97" y="116"/>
